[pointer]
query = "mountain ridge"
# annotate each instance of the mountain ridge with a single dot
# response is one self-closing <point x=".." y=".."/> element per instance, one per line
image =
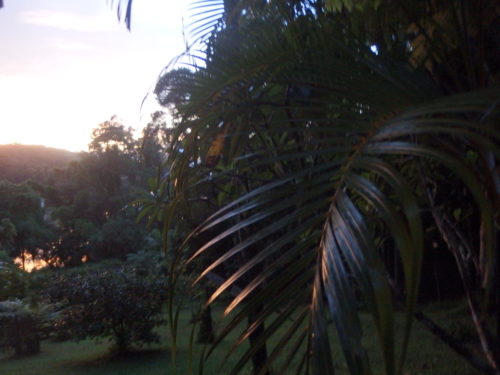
<point x="19" y="162"/>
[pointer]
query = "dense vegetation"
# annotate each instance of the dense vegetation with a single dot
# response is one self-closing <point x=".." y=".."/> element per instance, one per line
<point x="348" y="155"/>
<point x="80" y="213"/>
<point x="122" y="302"/>
<point x="330" y="170"/>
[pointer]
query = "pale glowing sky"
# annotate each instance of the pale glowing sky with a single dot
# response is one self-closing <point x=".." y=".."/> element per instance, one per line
<point x="66" y="66"/>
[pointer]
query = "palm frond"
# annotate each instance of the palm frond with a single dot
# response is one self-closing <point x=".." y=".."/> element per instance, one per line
<point x="318" y="129"/>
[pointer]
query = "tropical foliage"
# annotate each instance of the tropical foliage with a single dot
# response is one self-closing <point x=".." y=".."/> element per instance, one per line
<point x="121" y="302"/>
<point x="23" y="325"/>
<point x="12" y="279"/>
<point x="343" y="140"/>
<point x="79" y="211"/>
<point x="22" y="226"/>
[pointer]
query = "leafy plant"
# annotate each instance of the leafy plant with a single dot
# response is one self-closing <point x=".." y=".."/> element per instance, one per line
<point x="12" y="279"/>
<point x="336" y="125"/>
<point x="22" y="326"/>
<point x="118" y="302"/>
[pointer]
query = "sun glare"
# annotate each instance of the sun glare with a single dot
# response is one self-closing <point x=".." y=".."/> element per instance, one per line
<point x="75" y="66"/>
<point x="29" y="263"/>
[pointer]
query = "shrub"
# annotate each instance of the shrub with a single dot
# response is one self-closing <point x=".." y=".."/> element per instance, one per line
<point x="22" y="325"/>
<point x="12" y="279"/>
<point x="114" y="302"/>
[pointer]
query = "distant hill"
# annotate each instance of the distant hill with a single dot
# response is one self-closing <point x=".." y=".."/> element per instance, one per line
<point x="19" y="163"/>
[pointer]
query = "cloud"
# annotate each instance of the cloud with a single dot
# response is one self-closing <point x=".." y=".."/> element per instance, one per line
<point x="69" y="21"/>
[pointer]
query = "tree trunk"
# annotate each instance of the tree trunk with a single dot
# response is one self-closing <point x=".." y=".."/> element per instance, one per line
<point x="206" y="330"/>
<point x="120" y="340"/>
<point x="458" y="246"/>
<point x="260" y="356"/>
<point x="32" y="345"/>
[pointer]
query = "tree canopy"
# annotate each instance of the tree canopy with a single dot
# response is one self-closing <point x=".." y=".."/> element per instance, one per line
<point x="347" y="139"/>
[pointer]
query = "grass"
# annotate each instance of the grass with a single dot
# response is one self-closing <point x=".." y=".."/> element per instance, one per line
<point x="84" y="358"/>
<point x="427" y="355"/>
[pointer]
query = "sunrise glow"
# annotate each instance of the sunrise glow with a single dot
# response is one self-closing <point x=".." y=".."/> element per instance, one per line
<point x="72" y="66"/>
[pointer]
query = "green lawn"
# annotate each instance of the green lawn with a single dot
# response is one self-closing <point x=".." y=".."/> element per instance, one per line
<point x="427" y="356"/>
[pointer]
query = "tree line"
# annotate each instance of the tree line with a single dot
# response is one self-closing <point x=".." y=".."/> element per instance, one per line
<point x="83" y="212"/>
<point x="102" y="273"/>
<point x="347" y="158"/>
<point x="329" y="160"/>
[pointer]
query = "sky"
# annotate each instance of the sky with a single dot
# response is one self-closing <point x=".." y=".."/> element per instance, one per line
<point x="67" y="66"/>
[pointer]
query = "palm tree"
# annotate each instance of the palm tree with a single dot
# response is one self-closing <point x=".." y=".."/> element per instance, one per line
<point x="343" y="135"/>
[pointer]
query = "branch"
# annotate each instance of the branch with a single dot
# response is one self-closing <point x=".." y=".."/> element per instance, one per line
<point x="454" y="344"/>
<point x="458" y="249"/>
